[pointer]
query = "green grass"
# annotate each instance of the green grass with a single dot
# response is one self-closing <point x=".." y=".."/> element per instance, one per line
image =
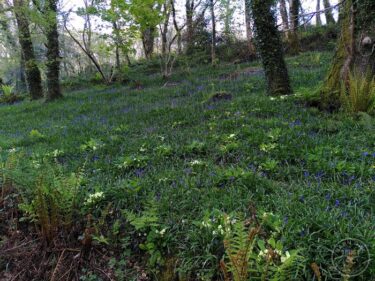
<point x="172" y="146"/>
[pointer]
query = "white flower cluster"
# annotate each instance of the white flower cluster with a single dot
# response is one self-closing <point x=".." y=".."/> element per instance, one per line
<point x="94" y="198"/>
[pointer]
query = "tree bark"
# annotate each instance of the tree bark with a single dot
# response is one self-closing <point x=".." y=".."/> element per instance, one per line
<point x="270" y="47"/>
<point x="294" y="6"/>
<point x="355" y="50"/>
<point x="318" y="17"/>
<point x="249" y="30"/>
<point x="33" y="76"/>
<point x="53" y="52"/>
<point x="328" y="12"/>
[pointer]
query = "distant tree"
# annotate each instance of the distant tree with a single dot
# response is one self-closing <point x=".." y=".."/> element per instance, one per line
<point x="284" y="16"/>
<point x="318" y="17"/>
<point x="294" y="8"/>
<point x="270" y="47"/>
<point x="355" y="51"/>
<point x="213" y="37"/>
<point x="195" y="13"/>
<point x="328" y="12"/>
<point x="147" y="15"/>
<point x="33" y="76"/>
<point x="249" y="29"/>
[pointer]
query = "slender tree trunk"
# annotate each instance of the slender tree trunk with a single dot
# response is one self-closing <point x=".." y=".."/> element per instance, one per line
<point x="213" y="39"/>
<point x="355" y="50"/>
<point x="189" y="6"/>
<point x="177" y="28"/>
<point x="294" y="6"/>
<point x="53" y="53"/>
<point x="148" y="36"/>
<point x="33" y="76"/>
<point x="117" y="45"/>
<point x="249" y="30"/>
<point x="284" y="16"/>
<point x="270" y="47"/>
<point x="328" y="12"/>
<point x="318" y="17"/>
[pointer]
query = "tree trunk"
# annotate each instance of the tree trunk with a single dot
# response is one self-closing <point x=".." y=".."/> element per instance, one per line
<point x="284" y="16"/>
<point x="189" y="6"/>
<point x="213" y="39"/>
<point x="53" y="53"/>
<point x="355" y="50"/>
<point x="33" y="77"/>
<point x="328" y="12"/>
<point x="116" y="32"/>
<point x="294" y="6"/>
<point x="177" y="28"/>
<point x="318" y="18"/>
<point x="270" y="47"/>
<point x="148" y="36"/>
<point x="249" y="30"/>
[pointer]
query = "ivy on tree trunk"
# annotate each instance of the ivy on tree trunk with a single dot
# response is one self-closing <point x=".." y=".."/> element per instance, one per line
<point x="270" y="47"/>
<point x="53" y="52"/>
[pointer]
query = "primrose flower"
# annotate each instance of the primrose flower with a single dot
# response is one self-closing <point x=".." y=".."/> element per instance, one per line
<point x="93" y="198"/>
<point x="285" y="258"/>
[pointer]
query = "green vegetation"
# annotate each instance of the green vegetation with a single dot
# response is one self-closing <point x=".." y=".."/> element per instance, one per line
<point x="140" y="182"/>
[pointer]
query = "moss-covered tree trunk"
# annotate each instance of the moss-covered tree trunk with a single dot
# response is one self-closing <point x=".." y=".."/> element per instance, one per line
<point x="270" y="47"/>
<point x="53" y="52"/>
<point x="33" y="77"/>
<point x="355" y="49"/>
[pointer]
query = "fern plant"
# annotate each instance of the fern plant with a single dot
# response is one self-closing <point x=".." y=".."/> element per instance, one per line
<point x="249" y="257"/>
<point x="239" y="246"/>
<point x="53" y="201"/>
<point x="358" y="94"/>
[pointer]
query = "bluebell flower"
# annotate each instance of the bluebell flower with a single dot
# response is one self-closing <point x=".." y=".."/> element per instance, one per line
<point x="337" y="202"/>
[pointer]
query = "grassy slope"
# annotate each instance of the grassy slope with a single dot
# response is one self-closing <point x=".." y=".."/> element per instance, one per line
<point x="312" y="169"/>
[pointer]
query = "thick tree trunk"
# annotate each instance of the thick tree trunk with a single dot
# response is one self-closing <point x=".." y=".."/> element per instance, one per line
<point x="270" y="47"/>
<point x="294" y="6"/>
<point x="284" y="16"/>
<point x="328" y="12"/>
<point x="213" y="39"/>
<point x="249" y="30"/>
<point x="33" y="77"/>
<point x="318" y="17"/>
<point x="53" y="53"/>
<point x="355" y="50"/>
<point x="148" y="36"/>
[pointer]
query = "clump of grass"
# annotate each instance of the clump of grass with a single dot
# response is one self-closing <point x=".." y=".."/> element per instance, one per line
<point x="358" y="94"/>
